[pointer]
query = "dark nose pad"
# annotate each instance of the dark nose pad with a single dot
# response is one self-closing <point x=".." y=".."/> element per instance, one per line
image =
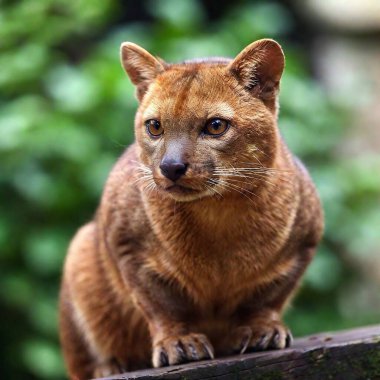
<point x="173" y="169"/>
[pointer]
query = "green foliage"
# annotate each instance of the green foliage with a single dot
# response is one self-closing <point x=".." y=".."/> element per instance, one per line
<point x="66" y="113"/>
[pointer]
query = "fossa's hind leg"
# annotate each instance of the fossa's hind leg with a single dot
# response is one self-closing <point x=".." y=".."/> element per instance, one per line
<point x="79" y="362"/>
<point x="102" y="332"/>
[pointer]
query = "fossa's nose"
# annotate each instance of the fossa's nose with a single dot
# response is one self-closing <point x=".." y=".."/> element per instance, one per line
<point x="173" y="169"/>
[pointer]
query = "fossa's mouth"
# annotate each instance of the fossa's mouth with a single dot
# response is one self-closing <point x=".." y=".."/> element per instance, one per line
<point x="179" y="189"/>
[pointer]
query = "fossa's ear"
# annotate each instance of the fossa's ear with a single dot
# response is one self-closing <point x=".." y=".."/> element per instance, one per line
<point x="259" y="68"/>
<point x="141" y="67"/>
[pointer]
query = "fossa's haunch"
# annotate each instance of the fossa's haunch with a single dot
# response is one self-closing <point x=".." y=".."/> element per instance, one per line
<point x="205" y="226"/>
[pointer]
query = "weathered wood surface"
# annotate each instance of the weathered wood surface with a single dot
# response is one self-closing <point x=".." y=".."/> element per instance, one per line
<point x="346" y="355"/>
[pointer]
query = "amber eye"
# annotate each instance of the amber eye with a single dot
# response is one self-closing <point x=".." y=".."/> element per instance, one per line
<point x="216" y="127"/>
<point x="154" y="127"/>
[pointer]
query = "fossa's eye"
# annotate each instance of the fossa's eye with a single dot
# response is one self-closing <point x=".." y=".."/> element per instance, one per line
<point x="216" y="127"/>
<point x="154" y="127"/>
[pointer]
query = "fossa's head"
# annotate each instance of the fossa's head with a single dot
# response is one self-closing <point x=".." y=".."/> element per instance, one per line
<point x="206" y="127"/>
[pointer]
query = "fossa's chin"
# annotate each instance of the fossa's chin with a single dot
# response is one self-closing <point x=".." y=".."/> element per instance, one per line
<point x="184" y="194"/>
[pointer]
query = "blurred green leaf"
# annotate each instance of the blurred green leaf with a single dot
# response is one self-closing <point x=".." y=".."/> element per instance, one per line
<point x="43" y="252"/>
<point x="324" y="272"/>
<point x="16" y="289"/>
<point x="43" y="315"/>
<point x="185" y="14"/>
<point x="43" y="359"/>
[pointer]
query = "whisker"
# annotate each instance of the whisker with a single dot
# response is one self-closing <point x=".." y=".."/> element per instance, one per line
<point x="143" y="177"/>
<point x="259" y="177"/>
<point x="253" y="169"/>
<point x="247" y="175"/>
<point x="238" y="189"/>
<point x="252" y="164"/>
<point x="141" y="165"/>
<point x="251" y="174"/>
<point x="212" y="187"/>
<point x="150" y="187"/>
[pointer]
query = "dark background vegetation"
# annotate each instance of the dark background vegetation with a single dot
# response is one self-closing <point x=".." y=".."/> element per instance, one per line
<point x="66" y="114"/>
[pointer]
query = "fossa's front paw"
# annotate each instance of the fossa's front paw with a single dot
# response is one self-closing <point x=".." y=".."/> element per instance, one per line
<point x="263" y="336"/>
<point x="182" y="349"/>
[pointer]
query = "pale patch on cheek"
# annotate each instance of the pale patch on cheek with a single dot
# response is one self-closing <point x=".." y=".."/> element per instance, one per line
<point x="220" y="109"/>
<point x="252" y="149"/>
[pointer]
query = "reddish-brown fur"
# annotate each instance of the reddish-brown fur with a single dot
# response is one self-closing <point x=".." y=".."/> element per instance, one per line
<point x="165" y="274"/>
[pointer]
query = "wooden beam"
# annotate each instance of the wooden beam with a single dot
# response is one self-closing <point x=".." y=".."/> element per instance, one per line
<point x="347" y="355"/>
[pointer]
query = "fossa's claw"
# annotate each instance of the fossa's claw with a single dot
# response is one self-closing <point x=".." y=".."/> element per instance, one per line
<point x="182" y="349"/>
<point x="270" y="335"/>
